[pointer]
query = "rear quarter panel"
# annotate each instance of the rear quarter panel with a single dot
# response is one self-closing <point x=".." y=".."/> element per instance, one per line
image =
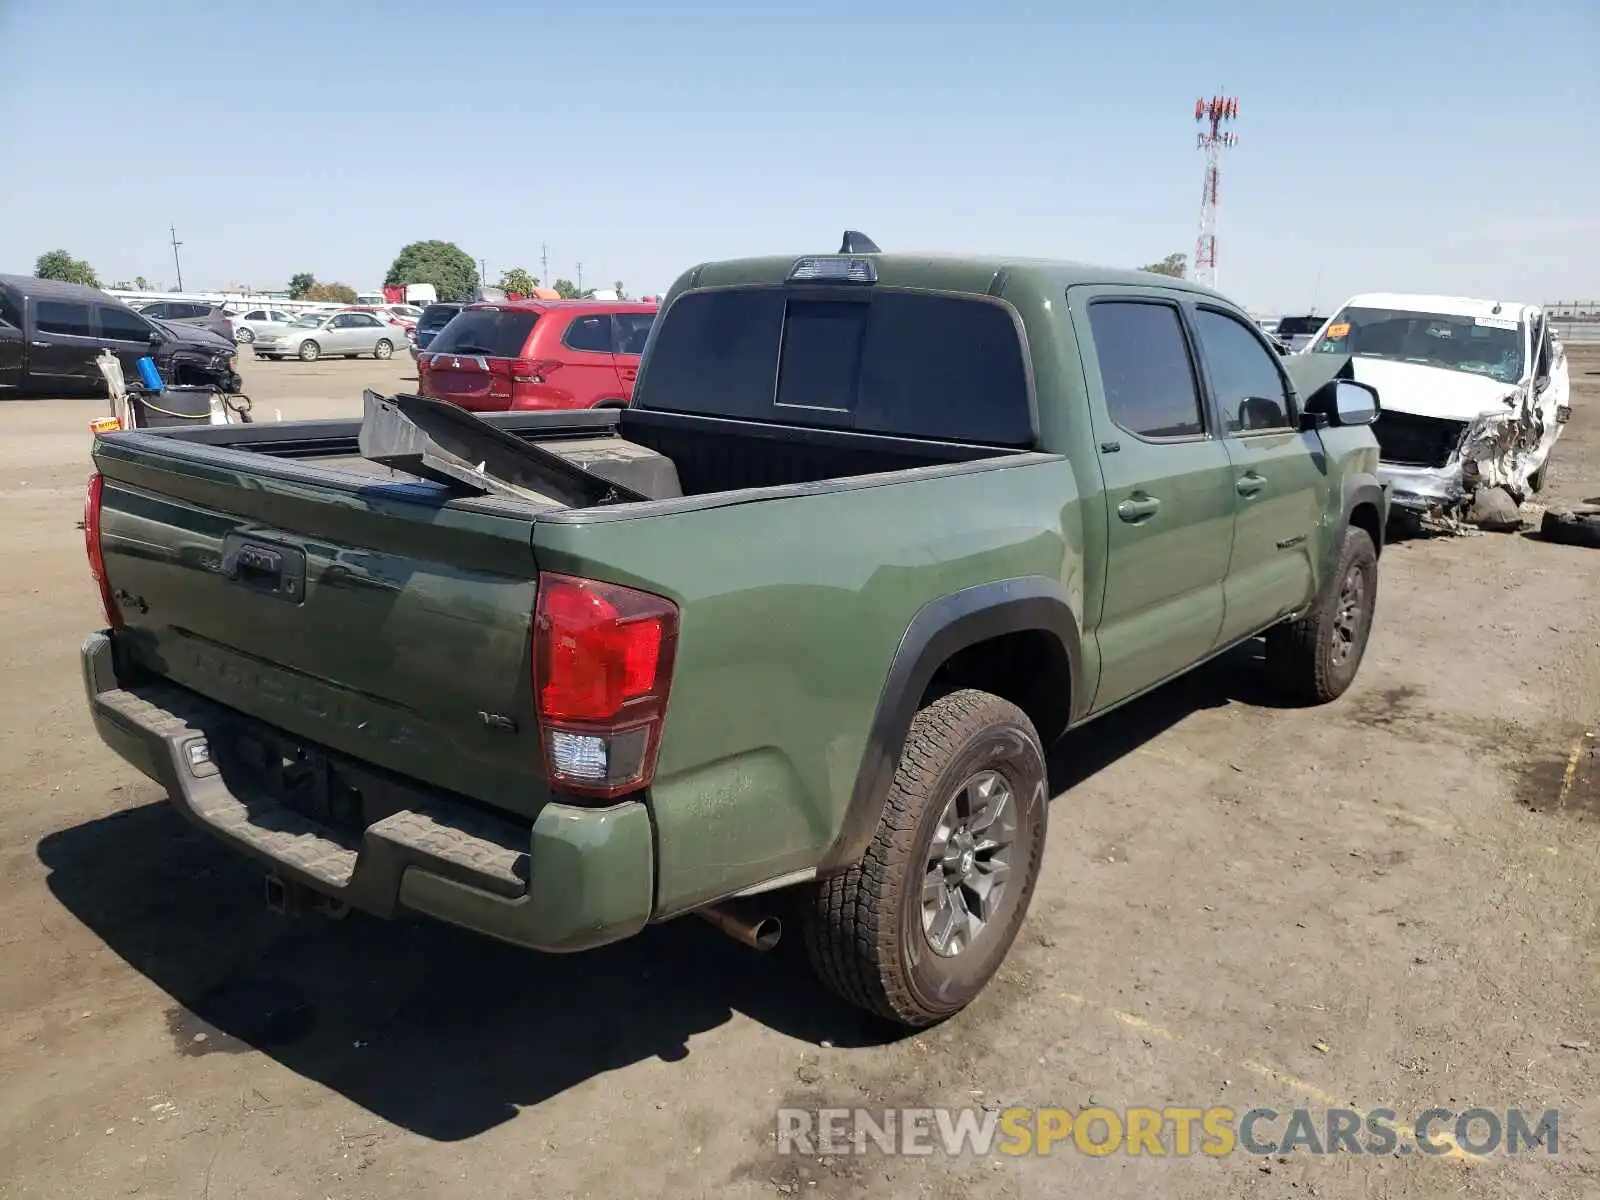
<point x="792" y="609"/>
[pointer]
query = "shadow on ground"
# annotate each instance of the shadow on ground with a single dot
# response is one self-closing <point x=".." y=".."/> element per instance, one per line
<point x="445" y="1033"/>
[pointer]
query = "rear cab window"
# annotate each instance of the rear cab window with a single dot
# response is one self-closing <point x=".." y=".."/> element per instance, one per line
<point x="945" y="367"/>
<point x="486" y="332"/>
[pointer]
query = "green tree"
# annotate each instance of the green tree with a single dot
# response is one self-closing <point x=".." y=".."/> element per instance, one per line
<point x="300" y="284"/>
<point x="444" y="264"/>
<point x="517" y="282"/>
<point x="337" y="293"/>
<point x="141" y="283"/>
<point x="568" y="290"/>
<point x="61" y="266"/>
<point x="622" y="292"/>
<point x="1175" y="265"/>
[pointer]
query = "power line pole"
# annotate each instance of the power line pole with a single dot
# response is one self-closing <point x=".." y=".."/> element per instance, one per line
<point x="544" y="265"/>
<point x="176" y="262"/>
<point x="580" y="279"/>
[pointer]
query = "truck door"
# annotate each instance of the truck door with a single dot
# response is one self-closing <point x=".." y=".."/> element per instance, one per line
<point x="126" y="334"/>
<point x="13" y="343"/>
<point x="62" y="346"/>
<point x="1279" y="485"/>
<point x="1168" y="487"/>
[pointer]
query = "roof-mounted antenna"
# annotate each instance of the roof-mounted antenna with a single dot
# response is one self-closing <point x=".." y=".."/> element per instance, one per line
<point x="856" y="242"/>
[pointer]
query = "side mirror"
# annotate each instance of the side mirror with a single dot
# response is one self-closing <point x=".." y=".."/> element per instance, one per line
<point x="1354" y="403"/>
<point x="156" y="337"/>
<point x="1341" y="402"/>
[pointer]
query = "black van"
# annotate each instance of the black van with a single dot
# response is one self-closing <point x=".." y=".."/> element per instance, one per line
<point x="50" y="334"/>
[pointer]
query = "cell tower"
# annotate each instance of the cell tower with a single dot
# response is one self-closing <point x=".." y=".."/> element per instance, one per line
<point x="1213" y="116"/>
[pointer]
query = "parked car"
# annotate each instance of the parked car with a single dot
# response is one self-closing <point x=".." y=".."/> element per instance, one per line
<point x="191" y="312"/>
<point x="389" y="315"/>
<point x="1475" y="393"/>
<point x="803" y="618"/>
<point x="51" y="333"/>
<point x="531" y="354"/>
<point x="434" y="318"/>
<point x="1296" y="333"/>
<point x="247" y="326"/>
<point x="347" y="334"/>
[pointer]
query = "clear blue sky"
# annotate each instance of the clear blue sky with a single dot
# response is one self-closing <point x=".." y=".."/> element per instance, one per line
<point x="1411" y="145"/>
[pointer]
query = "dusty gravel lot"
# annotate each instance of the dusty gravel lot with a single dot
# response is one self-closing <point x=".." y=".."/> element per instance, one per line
<point x="1387" y="902"/>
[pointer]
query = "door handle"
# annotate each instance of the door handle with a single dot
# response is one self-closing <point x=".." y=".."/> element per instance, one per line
<point x="1251" y="483"/>
<point x="41" y="345"/>
<point x="1138" y="508"/>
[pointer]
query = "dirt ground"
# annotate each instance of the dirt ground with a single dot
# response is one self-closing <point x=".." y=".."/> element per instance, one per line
<point x="1386" y="902"/>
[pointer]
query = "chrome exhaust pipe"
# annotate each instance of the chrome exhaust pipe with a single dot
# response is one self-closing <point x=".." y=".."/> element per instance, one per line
<point x="749" y="926"/>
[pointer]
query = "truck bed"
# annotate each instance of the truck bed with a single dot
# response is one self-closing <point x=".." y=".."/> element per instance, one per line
<point x="709" y="454"/>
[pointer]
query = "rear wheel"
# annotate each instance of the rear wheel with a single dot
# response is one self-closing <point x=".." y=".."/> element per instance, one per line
<point x="1315" y="658"/>
<point x="243" y="335"/>
<point x="309" y="351"/>
<point x="917" y="928"/>
<point x="383" y="349"/>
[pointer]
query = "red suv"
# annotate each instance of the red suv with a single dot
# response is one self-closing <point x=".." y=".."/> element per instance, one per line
<point x="530" y="354"/>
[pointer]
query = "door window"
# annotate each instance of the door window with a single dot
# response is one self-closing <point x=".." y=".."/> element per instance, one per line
<point x="341" y="323"/>
<point x="121" y="325"/>
<point x="1244" y="375"/>
<point x="589" y="333"/>
<point x="10" y="314"/>
<point x="632" y="330"/>
<point x="1145" y="369"/>
<point x="362" y="321"/>
<point x="62" y="316"/>
<point x="258" y="315"/>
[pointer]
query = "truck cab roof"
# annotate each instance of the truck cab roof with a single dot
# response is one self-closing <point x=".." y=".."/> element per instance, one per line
<point x="973" y="274"/>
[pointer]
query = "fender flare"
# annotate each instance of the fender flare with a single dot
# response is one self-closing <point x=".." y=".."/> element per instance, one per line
<point x="1365" y="489"/>
<point x="940" y="629"/>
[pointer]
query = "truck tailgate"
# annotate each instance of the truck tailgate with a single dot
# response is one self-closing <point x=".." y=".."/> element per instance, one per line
<point x="375" y="618"/>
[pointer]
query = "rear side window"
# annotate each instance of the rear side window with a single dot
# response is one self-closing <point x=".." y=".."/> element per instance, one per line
<point x="911" y="364"/>
<point x="62" y="316"/>
<point x="590" y="333"/>
<point x="498" y="333"/>
<point x="1145" y="368"/>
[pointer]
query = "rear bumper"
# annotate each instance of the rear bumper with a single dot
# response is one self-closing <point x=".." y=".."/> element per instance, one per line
<point x="580" y="878"/>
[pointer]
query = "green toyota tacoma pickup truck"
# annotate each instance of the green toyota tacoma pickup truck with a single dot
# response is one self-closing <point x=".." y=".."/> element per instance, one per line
<point x="790" y="634"/>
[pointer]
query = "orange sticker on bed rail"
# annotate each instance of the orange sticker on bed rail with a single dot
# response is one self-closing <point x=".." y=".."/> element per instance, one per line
<point x="1339" y="331"/>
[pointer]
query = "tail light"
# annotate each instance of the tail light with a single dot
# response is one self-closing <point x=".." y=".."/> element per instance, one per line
<point x="602" y="664"/>
<point x="91" y="545"/>
<point x="527" y="370"/>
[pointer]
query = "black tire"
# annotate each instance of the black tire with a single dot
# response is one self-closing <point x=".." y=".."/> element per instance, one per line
<point x="383" y="349"/>
<point x="864" y="929"/>
<point x="309" y="351"/>
<point x="1314" y="659"/>
<point x="1580" y="527"/>
<point x="244" y="335"/>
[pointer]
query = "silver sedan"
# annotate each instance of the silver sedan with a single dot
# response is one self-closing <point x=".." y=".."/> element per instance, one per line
<point x="346" y="334"/>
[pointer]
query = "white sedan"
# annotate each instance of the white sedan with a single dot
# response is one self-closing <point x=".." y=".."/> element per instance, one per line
<point x="249" y="325"/>
<point x="346" y="334"/>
